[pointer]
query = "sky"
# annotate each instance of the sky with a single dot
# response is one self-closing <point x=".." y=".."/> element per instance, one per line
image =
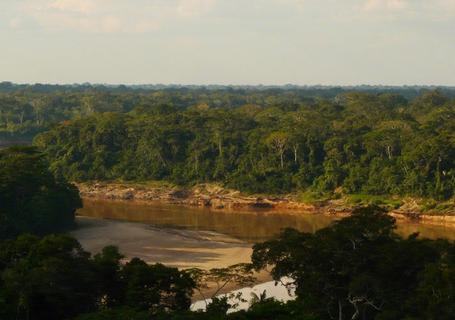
<point x="270" y="42"/>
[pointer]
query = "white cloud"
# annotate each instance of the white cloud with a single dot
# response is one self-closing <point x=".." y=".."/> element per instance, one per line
<point x="15" y="23"/>
<point x="397" y="5"/>
<point x="194" y="7"/>
<point x="105" y="16"/>
<point x="141" y="16"/>
<point x="81" y="15"/>
<point x="440" y="9"/>
<point x="298" y="3"/>
<point x="422" y="9"/>
<point x="81" y="6"/>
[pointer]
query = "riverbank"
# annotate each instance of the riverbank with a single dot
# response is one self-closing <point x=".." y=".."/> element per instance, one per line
<point x="179" y="248"/>
<point x="216" y="197"/>
<point x="210" y="196"/>
<point x="173" y="247"/>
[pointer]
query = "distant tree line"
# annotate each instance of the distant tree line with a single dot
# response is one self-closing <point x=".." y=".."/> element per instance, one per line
<point x="356" y="142"/>
<point x="26" y="110"/>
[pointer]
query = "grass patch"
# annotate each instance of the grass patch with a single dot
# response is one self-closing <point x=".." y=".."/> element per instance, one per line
<point x="367" y="199"/>
<point x="314" y="197"/>
<point x="149" y="184"/>
<point x="428" y="204"/>
<point x="156" y="184"/>
<point x="433" y="207"/>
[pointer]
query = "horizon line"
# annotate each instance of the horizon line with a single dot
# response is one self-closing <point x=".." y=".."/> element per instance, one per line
<point x="87" y="83"/>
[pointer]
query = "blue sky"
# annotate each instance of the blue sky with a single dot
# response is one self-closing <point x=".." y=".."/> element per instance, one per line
<point x="331" y="42"/>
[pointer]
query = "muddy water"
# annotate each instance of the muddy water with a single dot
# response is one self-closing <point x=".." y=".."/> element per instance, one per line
<point x="249" y="227"/>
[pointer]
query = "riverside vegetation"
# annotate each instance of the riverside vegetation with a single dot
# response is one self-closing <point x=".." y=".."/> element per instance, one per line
<point x="367" y="145"/>
<point x="357" y="268"/>
<point x="320" y="142"/>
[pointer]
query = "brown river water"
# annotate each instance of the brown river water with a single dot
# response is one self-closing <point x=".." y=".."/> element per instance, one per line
<point x="195" y="237"/>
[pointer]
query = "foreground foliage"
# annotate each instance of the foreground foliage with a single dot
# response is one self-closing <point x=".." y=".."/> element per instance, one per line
<point x="53" y="278"/>
<point x="32" y="199"/>
<point x="360" y="269"/>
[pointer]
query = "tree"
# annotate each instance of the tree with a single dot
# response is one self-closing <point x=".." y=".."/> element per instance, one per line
<point x="156" y="288"/>
<point x="371" y="141"/>
<point x="278" y="141"/>
<point x="109" y="283"/>
<point x="32" y="199"/>
<point x="239" y="274"/>
<point x="358" y="268"/>
<point x="54" y="278"/>
<point x="51" y="278"/>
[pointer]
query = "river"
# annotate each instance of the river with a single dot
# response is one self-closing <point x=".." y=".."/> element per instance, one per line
<point x="195" y="237"/>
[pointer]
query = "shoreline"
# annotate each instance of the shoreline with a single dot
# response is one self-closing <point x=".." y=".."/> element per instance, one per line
<point x="183" y="249"/>
<point x="217" y="198"/>
<point x="179" y="248"/>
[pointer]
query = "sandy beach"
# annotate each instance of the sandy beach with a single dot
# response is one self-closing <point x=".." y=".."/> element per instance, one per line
<point x="170" y="246"/>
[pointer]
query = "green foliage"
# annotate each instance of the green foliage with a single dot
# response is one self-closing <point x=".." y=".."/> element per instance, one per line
<point x="54" y="278"/>
<point x="50" y="278"/>
<point x="358" y="268"/>
<point x="32" y="199"/>
<point x="431" y="206"/>
<point x="264" y="310"/>
<point x="218" y="307"/>
<point x="156" y="288"/>
<point x="270" y="309"/>
<point x="117" y="314"/>
<point x="359" y="143"/>
<point x="372" y="146"/>
<point x="314" y="197"/>
<point x="366" y="199"/>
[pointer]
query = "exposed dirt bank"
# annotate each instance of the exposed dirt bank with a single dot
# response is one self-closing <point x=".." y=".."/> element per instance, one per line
<point x="218" y="198"/>
<point x="203" y="195"/>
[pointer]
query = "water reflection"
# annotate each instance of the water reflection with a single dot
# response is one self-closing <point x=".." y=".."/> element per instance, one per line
<point x="252" y="226"/>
